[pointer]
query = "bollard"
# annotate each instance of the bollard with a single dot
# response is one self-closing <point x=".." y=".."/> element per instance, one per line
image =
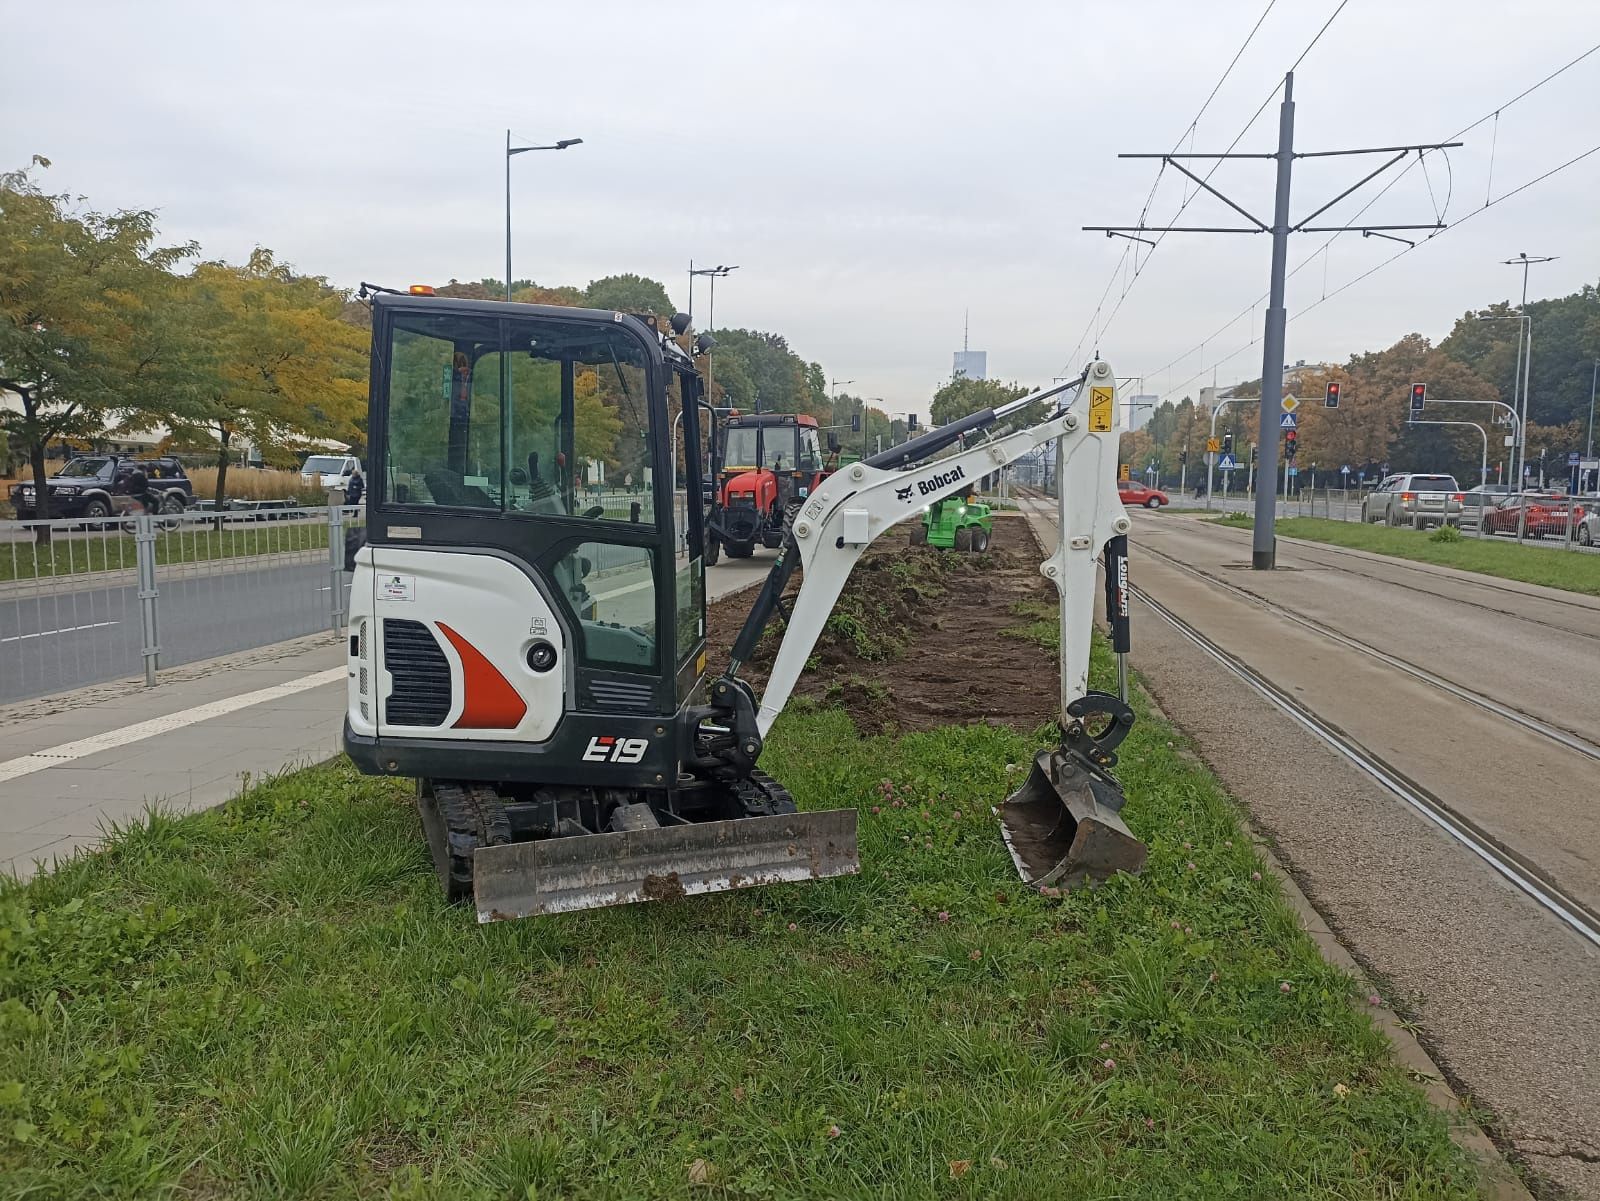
<point x="336" y="568"/>
<point x="144" y="543"/>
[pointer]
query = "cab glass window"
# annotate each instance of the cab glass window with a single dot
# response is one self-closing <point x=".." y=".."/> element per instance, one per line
<point x="519" y="415"/>
<point x="611" y="590"/>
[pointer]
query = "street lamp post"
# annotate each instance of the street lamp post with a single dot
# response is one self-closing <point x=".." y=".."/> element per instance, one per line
<point x="713" y="274"/>
<point x="1593" y="380"/>
<point x="1519" y="458"/>
<point x="511" y="152"/>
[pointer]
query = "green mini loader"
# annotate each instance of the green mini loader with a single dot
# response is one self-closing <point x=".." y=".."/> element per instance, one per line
<point x="955" y="523"/>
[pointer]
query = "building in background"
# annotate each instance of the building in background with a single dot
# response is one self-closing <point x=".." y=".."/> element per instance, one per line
<point x="974" y="364"/>
<point x="1139" y="410"/>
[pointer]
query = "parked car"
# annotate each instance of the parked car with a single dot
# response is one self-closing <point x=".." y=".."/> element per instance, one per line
<point x="1546" y="515"/>
<point x="1415" y="500"/>
<point x="261" y="510"/>
<point x="1588" y="531"/>
<point x="94" y="486"/>
<point x="1475" y="502"/>
<point x="329" y="471"/>
<point x="1131" y="492"/>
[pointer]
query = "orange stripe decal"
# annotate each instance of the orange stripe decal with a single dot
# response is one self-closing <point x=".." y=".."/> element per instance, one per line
<point x="490" y="702"/>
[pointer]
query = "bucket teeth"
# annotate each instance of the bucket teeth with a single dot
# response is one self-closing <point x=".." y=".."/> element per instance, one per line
<point x="1063" y="828"/>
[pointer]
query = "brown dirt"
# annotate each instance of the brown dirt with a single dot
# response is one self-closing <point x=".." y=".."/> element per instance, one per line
<point x="916" y="639"/>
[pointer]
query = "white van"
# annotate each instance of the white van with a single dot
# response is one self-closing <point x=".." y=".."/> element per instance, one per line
<point x="329" y="471"/>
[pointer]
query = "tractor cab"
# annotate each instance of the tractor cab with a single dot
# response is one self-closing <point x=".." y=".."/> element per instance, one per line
<point x="764" y="465"/>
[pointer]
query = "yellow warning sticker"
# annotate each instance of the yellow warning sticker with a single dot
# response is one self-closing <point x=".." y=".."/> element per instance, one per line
<point x="1100" y="413"/>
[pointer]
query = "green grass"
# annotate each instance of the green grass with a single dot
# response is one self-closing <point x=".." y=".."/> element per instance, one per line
<point x="1551" y="567"/>
<point x="272" y="1000"/>
<point x="71" y="554"/>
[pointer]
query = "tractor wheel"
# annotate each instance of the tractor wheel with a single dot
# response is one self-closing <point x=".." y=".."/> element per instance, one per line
<point x="713" y="551"/>
<point x="963" y="538"/>
<point x="919" y="534"/>
<point x="980" y="539"/>
<point x="741" y="550"/>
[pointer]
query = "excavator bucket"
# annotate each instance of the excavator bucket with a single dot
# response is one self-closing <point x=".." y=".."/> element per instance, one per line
<point x="1063" y="827"/>
<point x="661" y="863"/>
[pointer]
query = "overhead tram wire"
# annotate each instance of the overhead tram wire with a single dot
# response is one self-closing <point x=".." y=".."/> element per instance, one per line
<point x="1161" y="236"/>
<point x="1373" y="270"/>
<point x="1148" y="200"/>
<point x="1492" y="115"/>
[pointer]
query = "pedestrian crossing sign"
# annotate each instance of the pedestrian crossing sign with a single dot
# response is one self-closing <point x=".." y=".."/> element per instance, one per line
<point x="1287" y="422"/>
<point x="1228" y="463"/>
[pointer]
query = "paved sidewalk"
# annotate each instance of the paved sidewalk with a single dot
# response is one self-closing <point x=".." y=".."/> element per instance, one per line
<point x="188" y="744"/>
<point x="72" y="764"/>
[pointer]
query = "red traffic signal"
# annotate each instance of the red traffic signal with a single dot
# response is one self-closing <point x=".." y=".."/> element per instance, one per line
<point x="1419" y="397"/>
<point x="1332" y="400"/>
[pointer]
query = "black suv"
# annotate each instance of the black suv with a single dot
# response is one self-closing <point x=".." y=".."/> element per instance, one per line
<point x="91" y="486"/>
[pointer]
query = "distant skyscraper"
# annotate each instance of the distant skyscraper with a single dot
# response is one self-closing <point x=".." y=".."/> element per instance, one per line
<point x="1139" y="410"/>
<point x="974" y="364"/>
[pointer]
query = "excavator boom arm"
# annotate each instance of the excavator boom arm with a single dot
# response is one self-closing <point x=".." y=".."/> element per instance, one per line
<point x="859" y="504"/>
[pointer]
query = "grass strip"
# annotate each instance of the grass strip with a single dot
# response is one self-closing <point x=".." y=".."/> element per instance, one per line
<point x="72" y="554"/>
<point x="1552" y="567"/>
<point x="272" y="1000"/>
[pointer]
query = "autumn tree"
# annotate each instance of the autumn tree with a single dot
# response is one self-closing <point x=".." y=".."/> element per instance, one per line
<point x="85" y="334"/>
<point x="629" y="293"/>
<point x="963" y="396"/>
<point x="282" y="364"/>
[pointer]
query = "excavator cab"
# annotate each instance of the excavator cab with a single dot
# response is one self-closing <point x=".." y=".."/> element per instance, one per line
<point x="527" y="630"/>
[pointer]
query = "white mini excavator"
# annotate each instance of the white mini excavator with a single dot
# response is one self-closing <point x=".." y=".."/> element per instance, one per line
<point x="527" y="616"/>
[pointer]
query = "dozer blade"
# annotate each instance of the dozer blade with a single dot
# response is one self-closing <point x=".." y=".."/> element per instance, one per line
<point x="591" y="871"/>
<point x="1062" y="826"/>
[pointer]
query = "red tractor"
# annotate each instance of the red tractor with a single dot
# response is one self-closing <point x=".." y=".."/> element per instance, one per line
<point x="763" y="466"/>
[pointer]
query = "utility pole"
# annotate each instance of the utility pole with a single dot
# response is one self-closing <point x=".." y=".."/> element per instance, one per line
<point x="1264" y="543"/>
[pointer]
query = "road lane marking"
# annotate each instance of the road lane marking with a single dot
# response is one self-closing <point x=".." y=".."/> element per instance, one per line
<point x="64" y="630"/>
<point x="55" y="756"/>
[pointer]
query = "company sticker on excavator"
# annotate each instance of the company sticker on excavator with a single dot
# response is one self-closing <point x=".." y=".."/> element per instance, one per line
<point x="1100" y="410"/>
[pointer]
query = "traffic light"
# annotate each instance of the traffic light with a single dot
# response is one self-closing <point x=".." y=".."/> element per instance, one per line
<point x="855" y="423"/>
<point x="1227" y="444"/>
<point x="1183" y="457"/>
<point x="911" y="422"/>
<point x="1332" y="400"/>
<point x="1419" y="397"/>
<point x="1291" y="444"/>
<point x="1253" y="449"/>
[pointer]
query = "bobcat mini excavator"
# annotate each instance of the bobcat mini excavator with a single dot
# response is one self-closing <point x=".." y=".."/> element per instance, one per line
<point x="531" y="645"/>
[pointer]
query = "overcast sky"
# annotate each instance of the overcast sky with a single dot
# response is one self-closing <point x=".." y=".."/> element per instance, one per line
<point x="874" y="169"/>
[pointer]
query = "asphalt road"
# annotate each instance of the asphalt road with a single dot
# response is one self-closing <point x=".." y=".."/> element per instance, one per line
<point x="56" y="641"/>
<point x="1505" y="996"/>
<point x="52" y="641"/>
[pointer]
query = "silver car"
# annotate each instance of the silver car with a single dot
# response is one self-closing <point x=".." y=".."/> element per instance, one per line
<point x="1475" y="502"/>
<point x="1415" y="500"/>
<point x="1588" y="531"/>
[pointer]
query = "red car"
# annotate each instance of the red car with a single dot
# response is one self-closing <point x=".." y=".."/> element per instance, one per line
<point x="1131" y="493"/>
<point x="1546" y="514"/>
